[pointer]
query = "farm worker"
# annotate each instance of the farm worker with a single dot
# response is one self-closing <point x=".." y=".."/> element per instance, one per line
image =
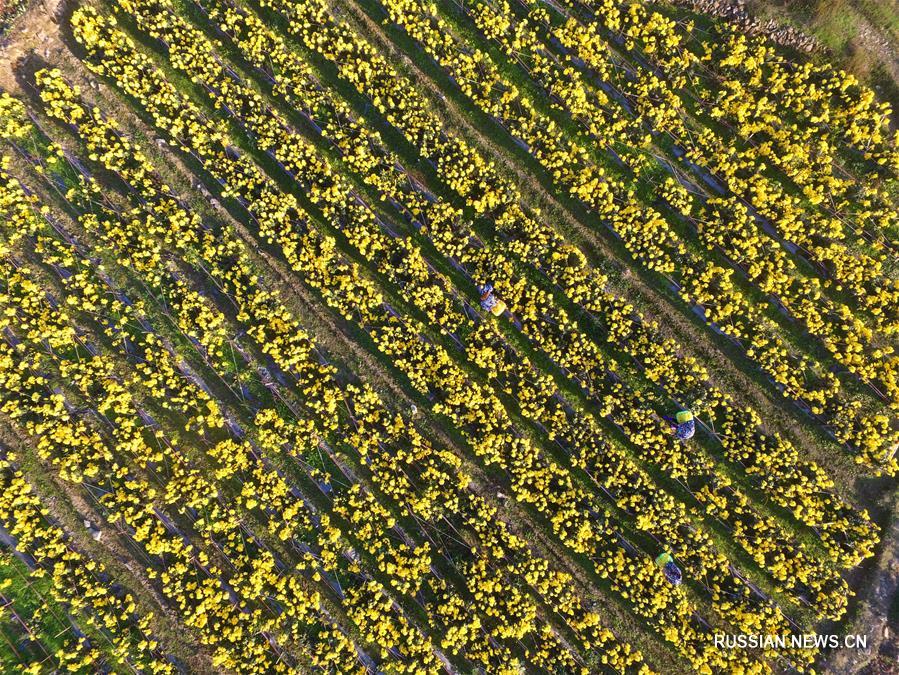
<point x="682" y="425"/>
<point x="489" y="302"/>
<point x="672" y="572"/>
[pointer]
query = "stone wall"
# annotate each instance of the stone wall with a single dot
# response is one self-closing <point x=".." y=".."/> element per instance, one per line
<point x="735" y="12"/>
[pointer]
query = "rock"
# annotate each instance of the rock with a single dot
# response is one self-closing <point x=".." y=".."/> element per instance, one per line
<point x="96" y="534"/>
<point x="199" y="187"/>
<point x="160" y="142"/>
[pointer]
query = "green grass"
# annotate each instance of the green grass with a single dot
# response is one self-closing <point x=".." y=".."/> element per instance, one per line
<point x="836" y="24"/>
<point x="31" y="600"/>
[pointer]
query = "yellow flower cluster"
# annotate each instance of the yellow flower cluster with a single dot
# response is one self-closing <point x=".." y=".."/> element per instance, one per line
<point x="451" y="244"/>
<point x="534" y="479"/>
<point x="254" y="575"/>
<point x="273" y="430"/>
<point x="849" y="533"/>
<point x="78" y="450"/>
<point x="397" y="459"/>
<point x="753" y="85"/>
<point x="160" y="27"/>
<point x="646" y="233"/>
<point x="78" y="583"/>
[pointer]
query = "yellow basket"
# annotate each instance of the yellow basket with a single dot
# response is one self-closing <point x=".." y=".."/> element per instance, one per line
<point x="684" y="416"/>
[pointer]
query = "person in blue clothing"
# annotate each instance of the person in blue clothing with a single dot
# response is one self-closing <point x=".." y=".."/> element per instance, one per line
<point x="669" y="568"/>
<point x="683" y="425"/>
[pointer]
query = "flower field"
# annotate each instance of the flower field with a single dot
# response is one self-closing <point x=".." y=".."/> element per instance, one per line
<point x="347" y="337"/>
